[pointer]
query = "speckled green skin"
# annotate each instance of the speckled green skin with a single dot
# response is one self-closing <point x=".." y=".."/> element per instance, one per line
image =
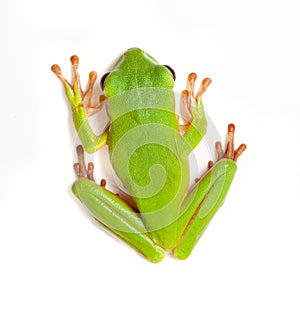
<point x="141" y="102"/>
<point x="150" y="157"/>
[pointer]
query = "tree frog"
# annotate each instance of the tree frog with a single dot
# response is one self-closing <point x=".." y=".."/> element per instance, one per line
<point x="149" y="152"/>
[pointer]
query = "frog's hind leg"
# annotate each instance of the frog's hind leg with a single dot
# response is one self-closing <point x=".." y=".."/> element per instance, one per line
<point x="229" y="152"/>
<point x="207" y="196"/>
<point x="112" y="212"/>
<point x="81" y="170"/>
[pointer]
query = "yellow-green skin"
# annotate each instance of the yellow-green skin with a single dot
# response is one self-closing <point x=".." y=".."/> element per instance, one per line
<point x="154" y="169"/>
<point x="150" y="157"/>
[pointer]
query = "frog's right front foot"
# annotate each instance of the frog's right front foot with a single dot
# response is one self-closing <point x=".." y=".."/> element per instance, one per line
<point x="76" y="96"/>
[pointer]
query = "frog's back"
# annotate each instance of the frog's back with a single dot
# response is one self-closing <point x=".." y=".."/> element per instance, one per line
<point x="145" y="147"/>
<point x="144" y="139"/>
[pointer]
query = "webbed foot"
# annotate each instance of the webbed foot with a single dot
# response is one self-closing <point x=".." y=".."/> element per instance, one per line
<point x="229" y="152"/>
<point x="85" y="171"/>
<point x="76" y="96"/>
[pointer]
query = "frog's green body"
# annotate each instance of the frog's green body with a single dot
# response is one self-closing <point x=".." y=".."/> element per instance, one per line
<point x="150" y="156"/>
<point x="158" y="170"/>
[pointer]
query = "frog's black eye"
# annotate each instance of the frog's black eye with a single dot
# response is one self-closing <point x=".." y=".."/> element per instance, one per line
<point x="171" y="70"/>
<point x="102" y="81"/>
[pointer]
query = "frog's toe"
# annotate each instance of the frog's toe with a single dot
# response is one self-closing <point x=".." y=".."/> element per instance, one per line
<point x="229" y="152"/>
<point x="80" y="168"/>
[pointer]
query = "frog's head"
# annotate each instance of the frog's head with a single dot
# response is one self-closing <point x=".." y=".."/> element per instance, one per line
<point x="136" y="69"/>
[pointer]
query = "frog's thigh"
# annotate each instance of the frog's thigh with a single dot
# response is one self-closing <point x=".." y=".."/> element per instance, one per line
<point x="118" y="217"/>
<point x="202" y="203"/>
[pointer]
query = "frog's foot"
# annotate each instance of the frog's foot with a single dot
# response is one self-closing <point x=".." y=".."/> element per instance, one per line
<point x="80" y="168"/>
<point x="189" y="95"/>
<point x="229" y="152"/>
<point x="76" y="96"/>
<point x="87" y="171"/>
<point x="83" y="171"/>
<point x="112" y="212"/>
<point x="190" y="91"/>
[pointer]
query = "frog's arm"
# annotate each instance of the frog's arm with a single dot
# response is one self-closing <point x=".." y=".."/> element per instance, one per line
<point x="112" y="212"/>
<point x="196" y="128"/>
<point x="81" y="104"/>
<point x="206" y="198"/>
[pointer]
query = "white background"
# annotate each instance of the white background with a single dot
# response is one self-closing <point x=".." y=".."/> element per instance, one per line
<point x="55" y="262"/>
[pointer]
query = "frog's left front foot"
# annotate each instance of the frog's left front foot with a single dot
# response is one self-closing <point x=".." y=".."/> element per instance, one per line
<point x="230" y="152"/>
<point x="76" y="96"/>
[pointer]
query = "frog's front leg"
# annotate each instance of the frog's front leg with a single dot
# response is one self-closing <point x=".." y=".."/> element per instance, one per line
<point x="208" y="195"/>
<point x="81" y="105"/>
<point x="195" y="126"/>
<point x="112" y="212"/>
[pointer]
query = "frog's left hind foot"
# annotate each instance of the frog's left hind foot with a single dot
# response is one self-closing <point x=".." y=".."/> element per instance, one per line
<point x="80" y="168"/>
<point x="83" y="171"/>
<point x="112" y="212"/>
